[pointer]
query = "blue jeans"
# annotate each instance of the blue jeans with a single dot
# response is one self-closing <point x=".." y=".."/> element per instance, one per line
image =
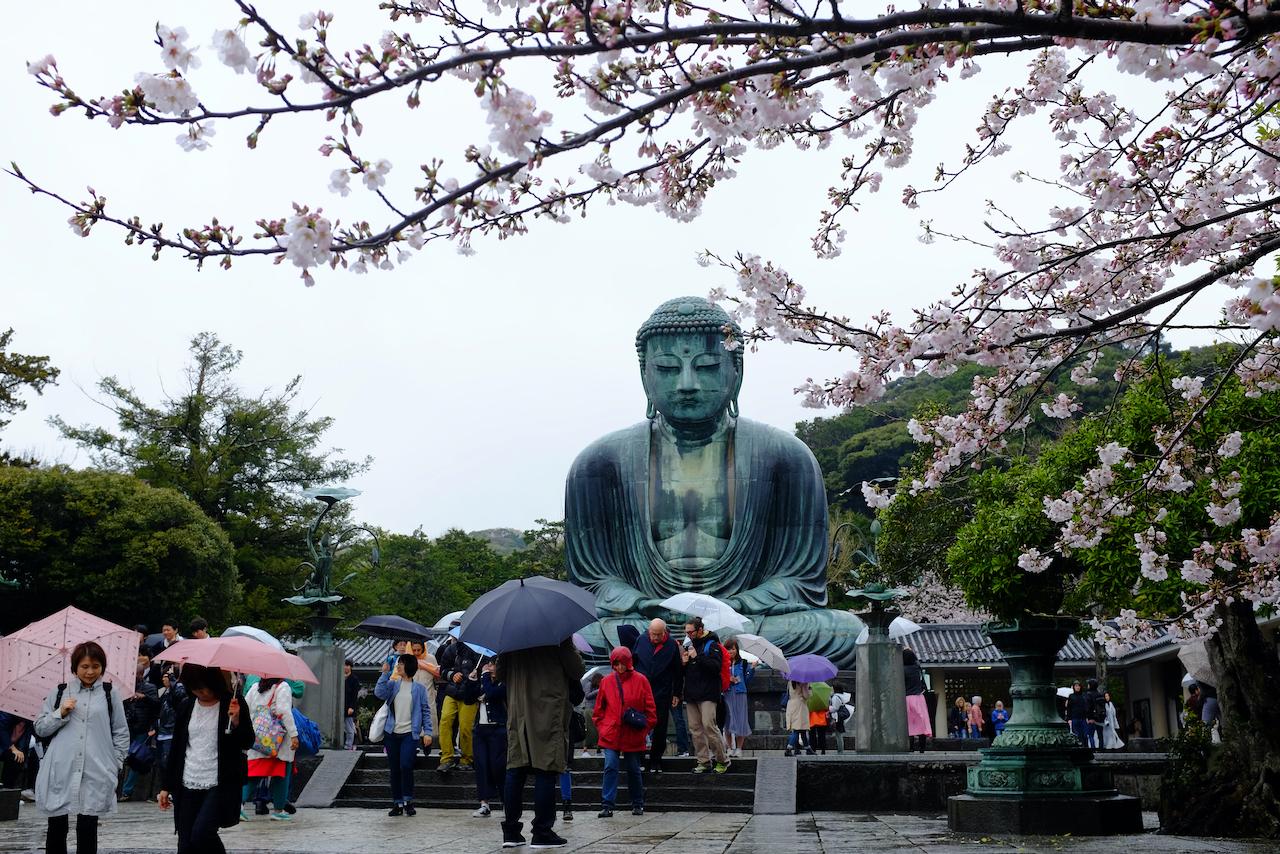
<point x="797" y="739"/>
<point x="401" y="751"/>
<point x="635" y="783"/>
<point x="1080" y="728"/>
<point x="544" y="798"/>
<point x="683" y="744"/>
<point x="975" y="731"/>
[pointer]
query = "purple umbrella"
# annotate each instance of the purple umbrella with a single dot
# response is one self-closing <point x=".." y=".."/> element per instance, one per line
<point x="810" y="668"/>
<point x="580" y="643"/>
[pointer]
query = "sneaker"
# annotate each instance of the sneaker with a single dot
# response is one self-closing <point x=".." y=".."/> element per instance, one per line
<point x="685" y="755"/>
<point x="789" y="752"/>
<point x="721" y="767"/>
<point x="511" y="836"/>
<point x="409" y="810"/>
<point x="243" y="816"/>
<point x="466" y="766"/>
<point x="29" y="795"/>
<point x="396" y="810"/>
<point x="607" y="812"/>
<point x="568" y="811"/>
<point x="550" y="839"/>
<point x="281" y="816"/>
<point x="483" y="812"/>
<point x="701" y="769"/>
<point x="637" y="810"/>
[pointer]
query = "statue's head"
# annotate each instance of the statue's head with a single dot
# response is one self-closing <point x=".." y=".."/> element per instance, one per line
<point x="689" y="375"/>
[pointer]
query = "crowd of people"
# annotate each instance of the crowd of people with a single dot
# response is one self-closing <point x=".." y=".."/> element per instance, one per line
<point x="522" y="715"/>
<point x="189" y="736"/>
<point x="508" y="717"/>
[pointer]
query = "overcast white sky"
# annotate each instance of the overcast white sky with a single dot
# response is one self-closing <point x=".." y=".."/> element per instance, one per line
<point x="472" y="381"/>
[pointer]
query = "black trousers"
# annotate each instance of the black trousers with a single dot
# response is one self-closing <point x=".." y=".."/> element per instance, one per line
<point x="659" y="734"/>
<point x="197" y="821"/>
<point x="490" y="741"/>
<point x="55" y="841"/>
<point x="544" y="797"/>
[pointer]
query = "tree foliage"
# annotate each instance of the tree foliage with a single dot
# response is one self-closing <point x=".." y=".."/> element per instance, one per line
<point x="110" y="544"/>
<point x="19" y="372"/>
<point x="423" y="579"/>
<point x="1163" y="544"/>
<point x="242" y="458"/>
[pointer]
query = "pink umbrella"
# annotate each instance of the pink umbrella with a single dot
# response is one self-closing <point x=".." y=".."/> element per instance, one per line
<point x="37" y="658"/>
<point x="240" y="655"/>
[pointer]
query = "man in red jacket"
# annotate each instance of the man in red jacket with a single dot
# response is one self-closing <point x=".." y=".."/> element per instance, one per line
<point x="621" y="734"/>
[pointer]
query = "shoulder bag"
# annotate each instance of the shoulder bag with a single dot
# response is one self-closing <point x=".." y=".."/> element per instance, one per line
<point x="630" y="717"/>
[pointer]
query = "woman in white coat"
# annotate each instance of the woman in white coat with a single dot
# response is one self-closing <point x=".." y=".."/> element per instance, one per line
<point x="82" y="762"/>
<point x="1110" y="726"/>
<point x="272" y="697"/>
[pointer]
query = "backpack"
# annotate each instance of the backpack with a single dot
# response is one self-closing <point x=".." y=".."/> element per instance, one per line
<point x="726" y="669"/>
<point x="309" y="741"/>
<point x="44" y="740"/>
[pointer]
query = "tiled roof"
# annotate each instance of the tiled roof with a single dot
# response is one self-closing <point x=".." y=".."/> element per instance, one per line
<point x="364" y="652"/>
<point x="966" y="643"/>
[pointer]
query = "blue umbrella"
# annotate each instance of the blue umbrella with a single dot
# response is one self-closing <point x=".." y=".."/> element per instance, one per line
<point x="810" y="668"/>
<point x="456" y="631"/>
<point x="528" y="612"/>
<point x="396" y="628"/>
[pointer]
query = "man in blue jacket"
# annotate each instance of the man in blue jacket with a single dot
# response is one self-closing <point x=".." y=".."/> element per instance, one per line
<point x="657" y="656"/>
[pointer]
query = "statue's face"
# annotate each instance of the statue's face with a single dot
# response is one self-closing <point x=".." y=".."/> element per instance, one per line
<point x="689" y="377"/>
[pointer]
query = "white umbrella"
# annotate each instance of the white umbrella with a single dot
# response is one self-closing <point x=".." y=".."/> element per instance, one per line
<point x="762" y="650"/>
<point x="715" y="614"/>
<point x="448" y="620"/>
<point x="899" y="628"/>
<point x="255" y="633"/>
<point x="1188" y="680"/>
<point x="1064" y="692"/>
<point x="1195" y="658"/>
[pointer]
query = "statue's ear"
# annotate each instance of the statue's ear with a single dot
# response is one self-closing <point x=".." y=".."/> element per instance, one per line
<point x="651" y="409"/>
<point x="737" y="388"/>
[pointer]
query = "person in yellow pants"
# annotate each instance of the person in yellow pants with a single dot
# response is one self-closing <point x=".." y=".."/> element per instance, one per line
<point x="457" y="663"/>
<point x="463" y="716"/>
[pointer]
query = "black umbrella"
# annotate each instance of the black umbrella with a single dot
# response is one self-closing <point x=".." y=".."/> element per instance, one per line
<point x="628" y="635"/>
<point x="396" y="628"/>
<point x="528" y="612"/>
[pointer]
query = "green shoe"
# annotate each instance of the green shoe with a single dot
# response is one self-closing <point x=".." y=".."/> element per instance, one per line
<point x="721" y="767"/>
<point x="701" y="769"/>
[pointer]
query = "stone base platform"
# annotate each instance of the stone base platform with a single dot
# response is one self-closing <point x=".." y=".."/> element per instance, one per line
<point x="1080" y="815"/>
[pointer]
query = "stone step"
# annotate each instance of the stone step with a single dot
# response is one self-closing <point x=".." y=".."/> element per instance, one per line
<point x="585" y="793"/>
<point x="580" y="807"/>
<point x="677" y="788"/>
<point x="670" y="765"/>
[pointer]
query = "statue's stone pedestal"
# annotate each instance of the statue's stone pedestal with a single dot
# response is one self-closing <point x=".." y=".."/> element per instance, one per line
<point x="1036" y="778"/>
<point x="880" y="708"/>
<point x="1079" y="815"/>
<point x="323" y="703"/>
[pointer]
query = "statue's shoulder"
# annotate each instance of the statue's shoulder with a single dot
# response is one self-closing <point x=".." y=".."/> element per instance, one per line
<point x="611" y="449"/>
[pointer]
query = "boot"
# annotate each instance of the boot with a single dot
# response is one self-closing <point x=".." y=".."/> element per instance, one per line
<point x="511" y="836"/>
<point x="568" y="811"/>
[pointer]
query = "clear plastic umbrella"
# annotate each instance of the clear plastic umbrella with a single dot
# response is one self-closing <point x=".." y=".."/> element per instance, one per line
<point x="716" y="615"/>
<point x="255" y="633"/>
<point x="762" y="649"/>
<point x="899" y="628"/>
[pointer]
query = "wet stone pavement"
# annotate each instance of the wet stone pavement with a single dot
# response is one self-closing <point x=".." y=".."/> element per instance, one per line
<point x="141" y="827"/>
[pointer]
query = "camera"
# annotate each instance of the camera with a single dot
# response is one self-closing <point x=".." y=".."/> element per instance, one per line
<point x="688" y="644"/>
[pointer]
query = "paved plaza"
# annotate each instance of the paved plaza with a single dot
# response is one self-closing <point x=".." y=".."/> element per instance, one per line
<point x="140" y="827"/>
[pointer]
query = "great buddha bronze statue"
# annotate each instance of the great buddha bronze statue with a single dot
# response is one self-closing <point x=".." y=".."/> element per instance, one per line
<point x="697" y="499"/>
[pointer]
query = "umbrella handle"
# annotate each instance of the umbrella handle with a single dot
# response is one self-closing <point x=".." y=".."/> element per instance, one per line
<point x="235" y="691"/>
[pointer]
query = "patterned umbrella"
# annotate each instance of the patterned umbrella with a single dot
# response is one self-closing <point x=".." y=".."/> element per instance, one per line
<point x="37" y="658"/>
